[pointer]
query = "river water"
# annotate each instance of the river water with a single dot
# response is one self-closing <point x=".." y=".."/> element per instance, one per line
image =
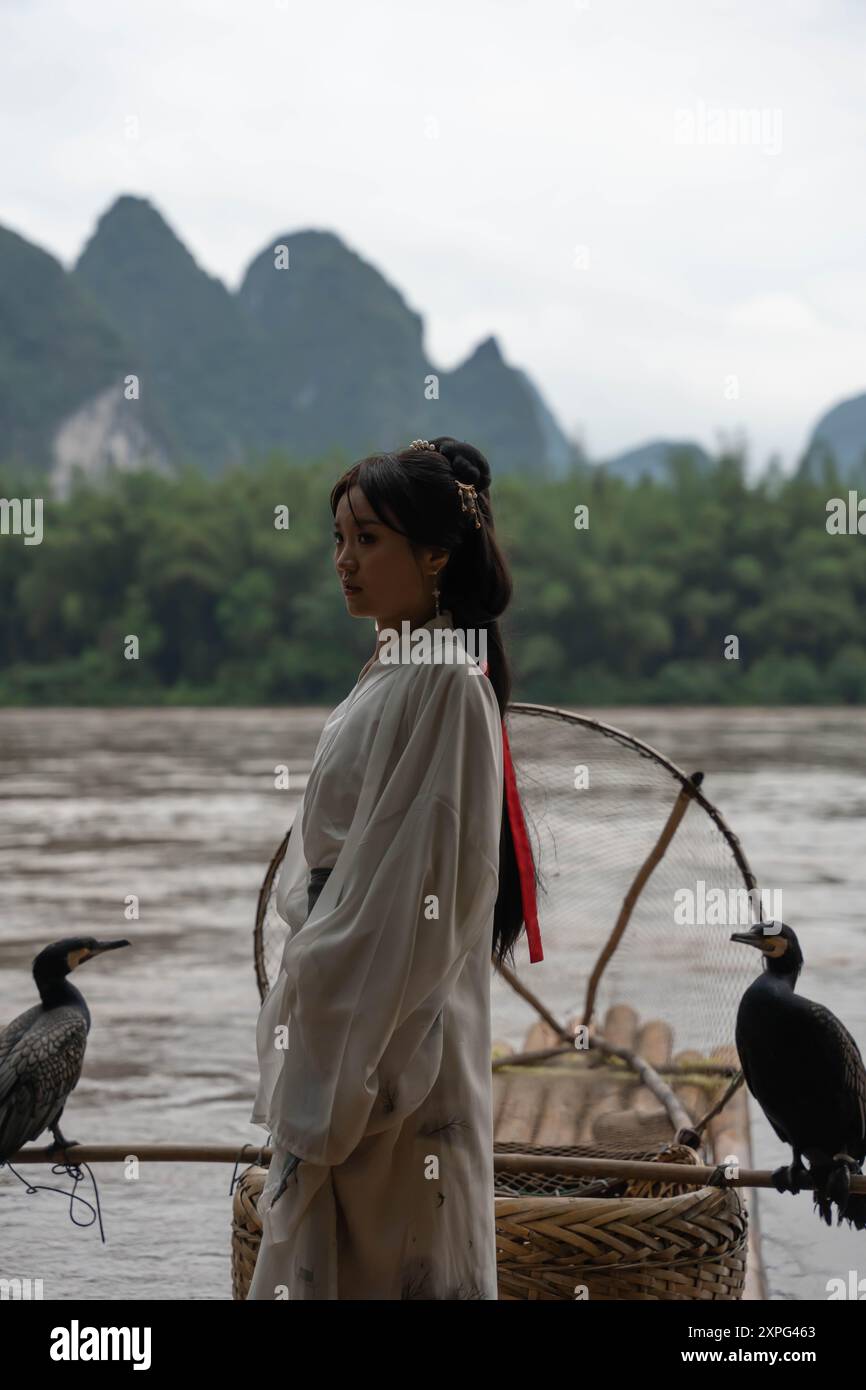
<point x="179" y="808"/>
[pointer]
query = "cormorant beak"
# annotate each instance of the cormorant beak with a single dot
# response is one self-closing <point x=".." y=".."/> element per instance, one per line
<point x="83" y="953"/>
<point x="755" y="937"/>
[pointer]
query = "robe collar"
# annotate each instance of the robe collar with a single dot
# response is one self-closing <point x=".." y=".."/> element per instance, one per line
<point x="443" y="619"/>
<point x="377" y="670"/>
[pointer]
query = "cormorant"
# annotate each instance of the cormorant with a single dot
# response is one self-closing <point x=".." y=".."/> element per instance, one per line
<point x="805" y="1071"/>
<point x="42" y="1050"/>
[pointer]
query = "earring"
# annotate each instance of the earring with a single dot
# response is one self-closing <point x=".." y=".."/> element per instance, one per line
<point x="436" y="596"/>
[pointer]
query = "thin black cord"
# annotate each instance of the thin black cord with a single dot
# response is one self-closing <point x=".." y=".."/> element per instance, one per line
<point x="73" y="1170"/>
<point x="240" y="1159"/>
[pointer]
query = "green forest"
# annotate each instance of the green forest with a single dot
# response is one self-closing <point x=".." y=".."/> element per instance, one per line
<point x="637" y="607"/>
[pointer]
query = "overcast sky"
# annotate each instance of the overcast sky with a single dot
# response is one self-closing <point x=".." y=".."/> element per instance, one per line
<point x="581" y="179"/>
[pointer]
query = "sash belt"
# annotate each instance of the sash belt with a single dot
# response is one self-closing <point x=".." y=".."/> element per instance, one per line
<point x="318" y="879"/>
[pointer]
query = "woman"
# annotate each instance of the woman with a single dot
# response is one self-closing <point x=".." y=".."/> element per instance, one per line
<point x="400" y="875"/>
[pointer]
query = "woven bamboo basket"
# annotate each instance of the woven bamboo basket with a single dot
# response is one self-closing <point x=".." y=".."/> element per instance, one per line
<point x="626" y="1241"/>
<point x="640" y="1241"/>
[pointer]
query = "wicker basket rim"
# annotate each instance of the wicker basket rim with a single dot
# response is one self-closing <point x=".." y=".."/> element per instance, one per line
<point x="256" y="1173"/>
<point x="686" y="1199"/>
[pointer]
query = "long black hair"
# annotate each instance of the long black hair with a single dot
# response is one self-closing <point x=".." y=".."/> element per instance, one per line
<point x="417" y="487"/>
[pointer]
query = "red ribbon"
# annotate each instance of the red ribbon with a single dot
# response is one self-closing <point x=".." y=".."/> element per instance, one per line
<point x="521" y="848"/>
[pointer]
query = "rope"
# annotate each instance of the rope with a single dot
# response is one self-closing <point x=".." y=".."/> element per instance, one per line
<point x="73" y="1170"/>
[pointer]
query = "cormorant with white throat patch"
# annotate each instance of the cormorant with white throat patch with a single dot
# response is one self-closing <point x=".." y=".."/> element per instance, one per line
<point x="805" y="1071"/>
<point x="42" y="1050"/>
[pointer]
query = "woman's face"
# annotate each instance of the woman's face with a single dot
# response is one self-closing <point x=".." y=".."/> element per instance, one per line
<point x="390" y="580"/>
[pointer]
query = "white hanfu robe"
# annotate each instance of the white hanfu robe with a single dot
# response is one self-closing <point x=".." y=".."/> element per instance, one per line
<point x="382" y="1086"/>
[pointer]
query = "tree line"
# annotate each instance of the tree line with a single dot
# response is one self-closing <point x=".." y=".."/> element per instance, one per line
<point x="705" y="589"/>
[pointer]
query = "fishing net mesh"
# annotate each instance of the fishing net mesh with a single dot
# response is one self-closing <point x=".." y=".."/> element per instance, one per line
<point x="589" y="843"/>
<point x="596" y="802"/>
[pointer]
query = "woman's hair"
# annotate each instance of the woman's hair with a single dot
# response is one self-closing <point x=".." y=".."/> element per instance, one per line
<point x="417" y="486"/>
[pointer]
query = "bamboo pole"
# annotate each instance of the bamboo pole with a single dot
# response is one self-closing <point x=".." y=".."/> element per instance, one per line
<point x="691" y="1175"/>
<point x="145" y="1153"/>
<point x="677" y="812"/>
<point x="680" y="1070"/>
<point x="678" y="1115"/>
<point x="526" y="993"/>
<point x="720" y="1104"/>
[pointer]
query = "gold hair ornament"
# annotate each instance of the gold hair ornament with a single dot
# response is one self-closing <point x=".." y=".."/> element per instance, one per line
<point x="468" y="495"/>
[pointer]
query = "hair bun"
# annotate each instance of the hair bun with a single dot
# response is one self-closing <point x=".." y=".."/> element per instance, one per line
<point x="468" y="464"/>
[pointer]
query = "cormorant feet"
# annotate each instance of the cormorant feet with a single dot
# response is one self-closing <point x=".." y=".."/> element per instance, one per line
<point x="718" y="1177"/>
<point x="787" y="1178"/>
<point x="837" y="1187"/>
<point x="62" y="1143"/>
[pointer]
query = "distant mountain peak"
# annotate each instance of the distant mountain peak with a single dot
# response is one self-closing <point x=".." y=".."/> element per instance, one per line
<point x="840" y="435"/>
<point x="129" y="210"/>
<point x="487" y="352"/>
<point x="126" y="202"/>
<point x="310" y="236"/>
<point x="654" y="459"/>
<point x="128" y="227"/>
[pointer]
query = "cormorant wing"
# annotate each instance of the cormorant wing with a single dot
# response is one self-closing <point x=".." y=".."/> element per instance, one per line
<point x="745" y="1070"/>
<point x="842" y="1067"/>
<point x="749" y="1080"/>
<point x="38" y="1072"/>
<point x="776" y="1124"/>
<point x="17" y="1028"/>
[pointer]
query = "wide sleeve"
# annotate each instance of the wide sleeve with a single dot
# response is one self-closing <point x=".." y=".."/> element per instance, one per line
<point x="366" y="981"/>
